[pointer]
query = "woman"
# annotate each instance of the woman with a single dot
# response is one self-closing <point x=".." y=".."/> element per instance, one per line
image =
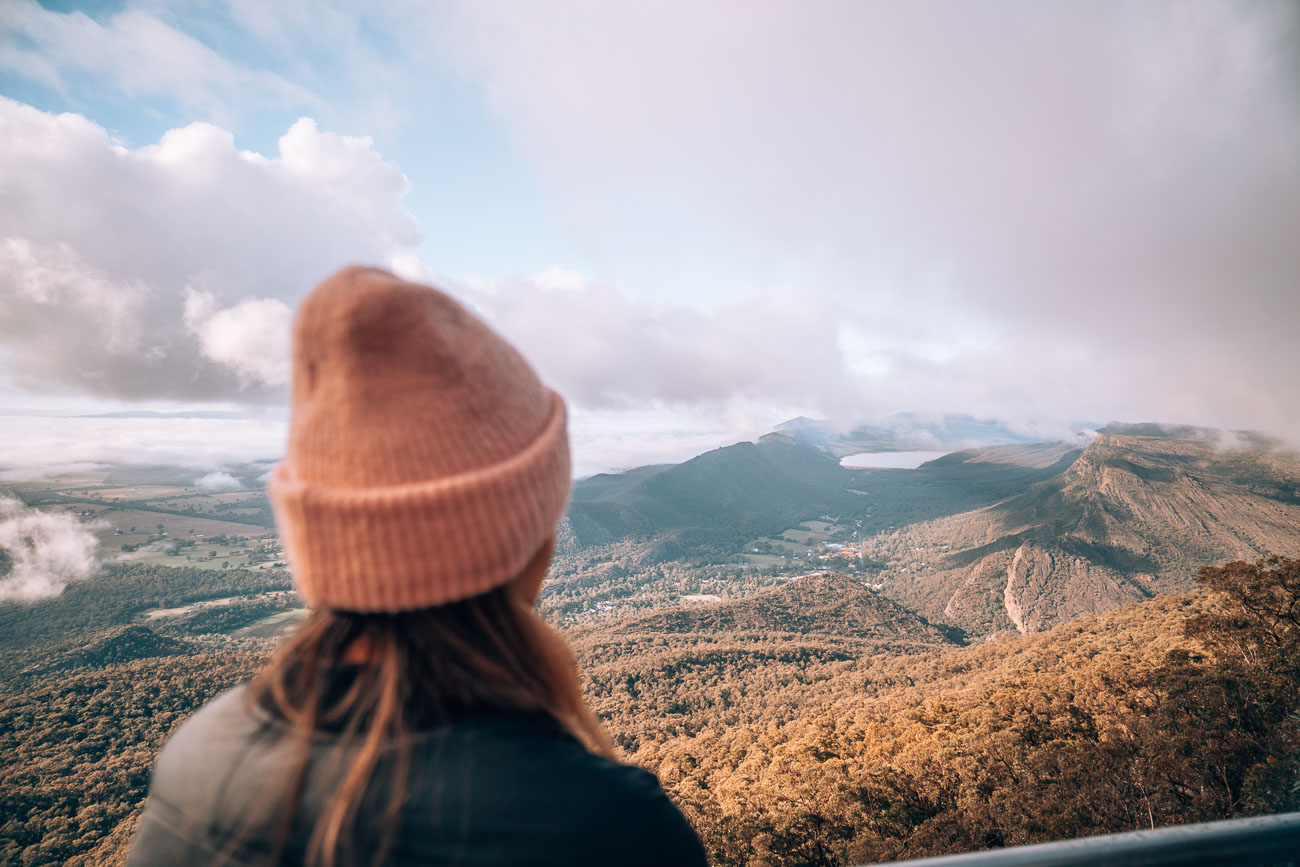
<point x="423" y="714"/>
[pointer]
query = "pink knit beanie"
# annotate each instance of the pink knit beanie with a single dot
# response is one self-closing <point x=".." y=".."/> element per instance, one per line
<point x="426" y="463"/>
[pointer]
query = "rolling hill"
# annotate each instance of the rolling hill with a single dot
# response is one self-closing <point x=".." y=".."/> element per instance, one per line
<point x="832" y="606"/>
<point x="746" y="488"/>
<point x="117" y="646"/>
<point x="645" y="672"/>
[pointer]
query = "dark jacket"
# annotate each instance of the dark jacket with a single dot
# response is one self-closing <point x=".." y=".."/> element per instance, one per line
<point x="486" y="790"/>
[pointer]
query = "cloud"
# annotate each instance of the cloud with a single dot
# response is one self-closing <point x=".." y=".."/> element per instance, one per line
<point x="56" y="277"/>
<point x="1038" y="212"/>
<point x="603" y="349"/>
<point x="1100" y="199"/>
<point x="135" y="54"/>
<point x="45" y="551"/>
<point x="219" y="481"/>
<point x="745" y="366"/>
<point x="617" y="440"/>
<point x="251" y="338"/>
<point x="168" y="271"/>
<point x="66" y="444"/>
<point x="40" y="472"/>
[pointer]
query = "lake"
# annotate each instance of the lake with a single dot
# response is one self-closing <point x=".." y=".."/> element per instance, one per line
<point x="889" y="460"/>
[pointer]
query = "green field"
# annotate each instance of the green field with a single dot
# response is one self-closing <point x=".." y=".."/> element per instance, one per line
<point x="793" y="542"/>
<point x="136" y="520"/>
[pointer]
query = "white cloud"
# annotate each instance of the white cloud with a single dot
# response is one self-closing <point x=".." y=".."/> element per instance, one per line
<point x="746" y="366"/>
<point x="45" y="551"/>
<point x="1109" y="190"/>
<point x="102" y="248"/>
<point x="251" y="338"/>
<point x="616" y="440"/>
<point x="218" y="481"/>
<point x="135" y="54"/>
<point x="56" y="279"/>
<point x="604" y="350"/>
<point x="39" y="472"/>
<point x="556" y="279"/>
<point x="64" y="444"/>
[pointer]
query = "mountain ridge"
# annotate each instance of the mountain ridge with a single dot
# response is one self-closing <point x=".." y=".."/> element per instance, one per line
<point x="751" y="489"/>
<point x="1133" y="516"/>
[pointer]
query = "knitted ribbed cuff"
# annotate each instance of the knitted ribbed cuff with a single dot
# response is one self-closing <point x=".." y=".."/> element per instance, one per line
<point x="405" y="547"/>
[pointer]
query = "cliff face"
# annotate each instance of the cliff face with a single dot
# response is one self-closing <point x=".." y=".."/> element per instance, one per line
<point x="1041" y="577"/>
<point x="1132" y="516"/>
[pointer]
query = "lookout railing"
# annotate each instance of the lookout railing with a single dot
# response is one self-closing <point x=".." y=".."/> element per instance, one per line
<point x="1253" y="842"/>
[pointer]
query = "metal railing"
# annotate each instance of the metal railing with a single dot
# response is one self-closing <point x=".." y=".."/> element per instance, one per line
<point x="1261" y="840"/>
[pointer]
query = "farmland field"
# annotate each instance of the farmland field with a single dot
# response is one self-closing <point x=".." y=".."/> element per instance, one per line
<point x="141" y="519"/>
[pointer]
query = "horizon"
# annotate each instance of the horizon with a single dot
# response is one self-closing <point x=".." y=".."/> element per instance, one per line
<point x="1027" y="215"/>
<point x="214" y="442"/>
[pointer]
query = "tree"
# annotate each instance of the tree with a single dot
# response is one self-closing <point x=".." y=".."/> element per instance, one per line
<point x="1260" y="616"/>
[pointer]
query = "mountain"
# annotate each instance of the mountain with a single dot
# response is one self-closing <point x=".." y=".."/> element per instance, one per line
<point x="752" y="489"/>
<point x="1179" y="709"/>
<point x="1012" y="536"/>
<point x="745" y="489"/>
<point x="1135" y="515"/>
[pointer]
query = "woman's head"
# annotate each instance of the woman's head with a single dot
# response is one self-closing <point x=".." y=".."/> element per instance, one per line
<point x="386" y="674"/>
<point x="426" y="462"/>
<point x="426" y="472"/>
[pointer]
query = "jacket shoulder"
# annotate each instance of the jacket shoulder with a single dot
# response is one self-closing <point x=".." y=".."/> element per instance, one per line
<point x="510" y="789"/>
<point x="203" y="747"/>
<point x="189" y="793"/>
<point x="636" y="820"/>
<point x="534" y="779"/>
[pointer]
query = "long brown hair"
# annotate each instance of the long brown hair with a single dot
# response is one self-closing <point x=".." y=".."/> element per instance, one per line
<point x="418" y="670"/>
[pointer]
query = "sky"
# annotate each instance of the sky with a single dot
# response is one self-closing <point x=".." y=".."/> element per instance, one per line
<point x="696" y="220"/>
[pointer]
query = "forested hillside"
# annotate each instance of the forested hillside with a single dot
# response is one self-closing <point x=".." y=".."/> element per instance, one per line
<point x="811" y="723"/>
<point x="79" y="745"/>
<point x="1175" y="710"/>
<point x="763" y="658"/>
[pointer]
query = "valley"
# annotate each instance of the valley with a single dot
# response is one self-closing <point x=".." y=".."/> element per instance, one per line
<point x="823" y="664"/>
<point x="164" y="516"/>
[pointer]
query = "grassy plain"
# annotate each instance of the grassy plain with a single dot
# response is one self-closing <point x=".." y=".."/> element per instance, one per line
<point x="143" y="520"/>
<point x="794" y="542"/>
